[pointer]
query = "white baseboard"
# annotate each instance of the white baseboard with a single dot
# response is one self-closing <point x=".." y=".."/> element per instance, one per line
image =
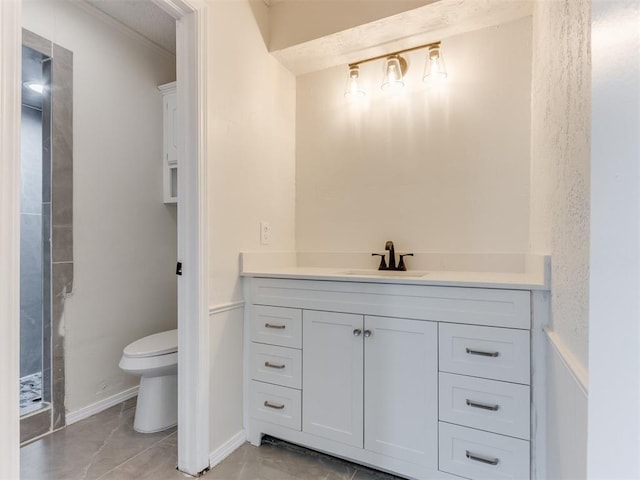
<point x="86" y="412"/>
<point x="227" y="448"/>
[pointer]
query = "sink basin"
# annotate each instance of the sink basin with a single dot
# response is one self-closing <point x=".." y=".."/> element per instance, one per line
<point x="385" y="273"/>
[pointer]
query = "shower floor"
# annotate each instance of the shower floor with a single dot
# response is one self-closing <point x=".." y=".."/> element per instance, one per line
<point x="30" y="393"/>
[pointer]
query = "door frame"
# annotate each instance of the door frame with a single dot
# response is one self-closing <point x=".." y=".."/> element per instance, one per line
<point x="193" y="292"/>
<point x="10" y="72"/>
<point x="193" y="316"/>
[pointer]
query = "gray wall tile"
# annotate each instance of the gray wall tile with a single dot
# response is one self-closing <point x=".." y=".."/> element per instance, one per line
<point x="31" y="161"/>
<point x="30" y="294"/>
<point x="38" y="43"/>
<point x="62" y="136"/>
<point x="46" y="135"/>
<point x="62" y="243"/>
<point x="62" y="284"/>
<point x="35" y="425"/>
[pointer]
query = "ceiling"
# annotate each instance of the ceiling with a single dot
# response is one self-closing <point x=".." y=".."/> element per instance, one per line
<point x="144" y="17"/>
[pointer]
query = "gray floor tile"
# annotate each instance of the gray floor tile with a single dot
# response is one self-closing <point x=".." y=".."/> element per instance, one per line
<point x="87" y="449"/>
<point x="106" y="447"/>
<point x="271" y="462"/>
<point x="156" y="463"/>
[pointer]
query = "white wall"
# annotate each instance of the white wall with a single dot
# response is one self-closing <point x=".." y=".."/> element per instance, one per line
<point x="560" y="120"/>
<point x="443" y="169"/>
<point x="251" y="178"/>
<point x="567" y="403"/>
<point x="614" y="329"/>
<point x="124" y="236"/>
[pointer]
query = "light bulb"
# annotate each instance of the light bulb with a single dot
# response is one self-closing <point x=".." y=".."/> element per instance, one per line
<point x="34" y="86"/>
<point x="353" y="88"/>
<point x="434" y="69"/>
<point x="394" y="70"/>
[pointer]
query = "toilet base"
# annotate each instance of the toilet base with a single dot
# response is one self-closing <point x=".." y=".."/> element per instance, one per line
<point x="157" y="407"/>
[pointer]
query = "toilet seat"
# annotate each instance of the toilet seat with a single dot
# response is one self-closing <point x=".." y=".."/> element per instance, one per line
<point x="154" y="345"/>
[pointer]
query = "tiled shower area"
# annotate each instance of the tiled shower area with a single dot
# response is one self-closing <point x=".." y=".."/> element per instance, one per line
<point x="46" y="231"/>
<point x="35" y="228"/>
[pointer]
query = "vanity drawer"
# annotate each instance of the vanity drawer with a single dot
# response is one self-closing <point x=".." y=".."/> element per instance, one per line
<point x="275" y="404"/>
<point x="481" y="455"/>
<point x="277" y="326"/>
<point x="279" y="365"/>
<point x="490" y="405"/>
<point x="488" y="352"/>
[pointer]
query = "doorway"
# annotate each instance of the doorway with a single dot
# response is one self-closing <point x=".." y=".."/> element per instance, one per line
<point x="193" y="22"/>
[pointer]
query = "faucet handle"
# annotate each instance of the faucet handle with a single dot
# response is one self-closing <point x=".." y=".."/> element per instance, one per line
<point x="383" y="264"/>
<point x="401" y="265"/>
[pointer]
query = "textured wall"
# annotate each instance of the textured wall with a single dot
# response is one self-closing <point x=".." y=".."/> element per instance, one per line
<point x="560" y="128"/>
<point x="433" y="168"/>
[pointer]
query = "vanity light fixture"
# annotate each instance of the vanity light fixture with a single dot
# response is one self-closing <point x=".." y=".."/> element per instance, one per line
<point x="395" y="69"/>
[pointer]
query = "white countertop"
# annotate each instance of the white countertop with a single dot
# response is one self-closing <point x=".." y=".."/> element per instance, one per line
<point x="517" y="281"/>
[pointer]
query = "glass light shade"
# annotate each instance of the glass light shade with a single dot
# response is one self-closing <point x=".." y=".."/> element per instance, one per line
<point x="353" y="88"/>
<point x="434" y="69"/>
<point x="394" y="68"/>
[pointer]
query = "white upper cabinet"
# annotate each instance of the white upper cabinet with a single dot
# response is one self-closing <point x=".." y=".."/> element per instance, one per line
<point x="170" y="142"/>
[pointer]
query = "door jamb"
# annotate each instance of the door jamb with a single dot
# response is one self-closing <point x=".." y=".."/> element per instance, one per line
<point x="193" y="291"/>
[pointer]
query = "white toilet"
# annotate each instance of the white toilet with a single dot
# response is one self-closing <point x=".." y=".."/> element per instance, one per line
<point x="155" y="359"/>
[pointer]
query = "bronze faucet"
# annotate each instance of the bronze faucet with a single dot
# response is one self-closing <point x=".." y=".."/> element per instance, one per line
<point x="392" y="258"/>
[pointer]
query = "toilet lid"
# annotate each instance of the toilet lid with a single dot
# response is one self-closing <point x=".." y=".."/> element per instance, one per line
<point x="153" y="345"/>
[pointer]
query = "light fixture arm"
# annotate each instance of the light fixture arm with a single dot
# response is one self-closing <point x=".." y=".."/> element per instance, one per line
<point x="386" y="55"/>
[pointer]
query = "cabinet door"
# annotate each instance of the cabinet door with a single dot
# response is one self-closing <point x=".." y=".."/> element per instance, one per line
<point x="332" y="361"/>
<point x="401" y="389"/>
<point x="171" y="128"/>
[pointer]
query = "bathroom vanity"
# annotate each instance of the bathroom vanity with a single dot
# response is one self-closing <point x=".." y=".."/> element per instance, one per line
<point x="414" y="374"/>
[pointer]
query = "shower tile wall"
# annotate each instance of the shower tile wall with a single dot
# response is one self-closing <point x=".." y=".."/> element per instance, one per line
<point x="31" y="248"/>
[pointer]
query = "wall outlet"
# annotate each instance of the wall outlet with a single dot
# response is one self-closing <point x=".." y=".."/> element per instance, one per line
<point x="265" y="233"/>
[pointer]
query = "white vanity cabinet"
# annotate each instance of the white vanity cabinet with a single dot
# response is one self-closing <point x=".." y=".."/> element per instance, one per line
<point x="170" y="142"/>
<point x="422" y="381"/>
<point x="368" y="382"/>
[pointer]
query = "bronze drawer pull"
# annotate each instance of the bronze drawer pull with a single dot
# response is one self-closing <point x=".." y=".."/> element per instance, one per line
<point x="484" y="406"/>
<point x="483" y="354"/>
<point x="477" y="458"/>
<point x="274" y="365"/>
<point x="276" y="406"/>
<point x="277" y="327"/>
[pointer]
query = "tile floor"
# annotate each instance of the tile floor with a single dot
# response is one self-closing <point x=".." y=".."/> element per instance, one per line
<point x="106" y="447"/>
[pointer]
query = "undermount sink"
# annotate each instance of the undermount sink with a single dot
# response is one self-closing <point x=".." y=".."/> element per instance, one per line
<point x="384" y="273"/>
